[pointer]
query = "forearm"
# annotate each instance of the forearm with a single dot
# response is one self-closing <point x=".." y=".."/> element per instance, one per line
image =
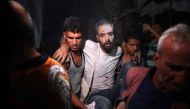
<point x="77" y="102"/>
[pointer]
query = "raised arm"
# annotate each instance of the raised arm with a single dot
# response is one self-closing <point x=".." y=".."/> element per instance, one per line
<point x="147" y="27"/>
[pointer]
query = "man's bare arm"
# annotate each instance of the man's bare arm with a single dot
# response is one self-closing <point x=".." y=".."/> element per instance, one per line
<point x="77" y="102"/>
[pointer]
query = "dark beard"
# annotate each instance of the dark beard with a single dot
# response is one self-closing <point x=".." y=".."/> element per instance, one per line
<point x="106" y="49"/>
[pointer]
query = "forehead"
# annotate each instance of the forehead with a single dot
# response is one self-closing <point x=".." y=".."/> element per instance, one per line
<point x="105" y="28"/>
<point x="69" y="33"/>
<point x="133" y="40"/>
<point x="176" y="44"/>
<point x="177" y="52"/>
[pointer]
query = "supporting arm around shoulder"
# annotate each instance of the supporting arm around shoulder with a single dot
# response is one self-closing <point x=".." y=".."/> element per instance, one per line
<point x="61" y="53"/>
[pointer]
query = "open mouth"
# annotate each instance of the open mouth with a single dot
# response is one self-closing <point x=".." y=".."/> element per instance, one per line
<point x="74" y="47"/>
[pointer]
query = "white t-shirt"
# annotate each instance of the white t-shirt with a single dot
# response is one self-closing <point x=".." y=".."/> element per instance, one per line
<point x="105" y="65"/>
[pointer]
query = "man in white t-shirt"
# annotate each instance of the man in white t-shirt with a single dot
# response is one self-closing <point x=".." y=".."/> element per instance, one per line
<point x="101" y="62"/>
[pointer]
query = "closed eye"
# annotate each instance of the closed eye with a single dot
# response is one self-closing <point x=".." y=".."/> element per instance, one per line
<point x="175" y="67"/>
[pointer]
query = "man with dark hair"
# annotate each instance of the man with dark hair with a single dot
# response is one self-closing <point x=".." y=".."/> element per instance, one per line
<point x="73" y="31"/>
<point x="131" y="48"/>
<point x="132" y="54"/>
<point x="36" y="81"/>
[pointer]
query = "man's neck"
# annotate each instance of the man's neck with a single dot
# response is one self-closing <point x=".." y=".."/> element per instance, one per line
<point x="76" y="53"/>
<point x="77" y="57"/>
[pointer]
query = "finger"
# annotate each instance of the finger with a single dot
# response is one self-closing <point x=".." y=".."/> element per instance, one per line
<point x="55" y="56"/>
<point x="63" y="58"/>
<point x="59" y="58"/>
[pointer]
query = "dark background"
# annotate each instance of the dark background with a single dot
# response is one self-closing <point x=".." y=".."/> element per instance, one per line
<point x="127" y="15"/>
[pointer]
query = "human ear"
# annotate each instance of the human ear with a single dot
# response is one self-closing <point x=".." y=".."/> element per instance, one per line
<point x="64" y="34"/>
<point x="156" y="57"/>
<point x="97" y="37"/>
<point x="63" y="38"/>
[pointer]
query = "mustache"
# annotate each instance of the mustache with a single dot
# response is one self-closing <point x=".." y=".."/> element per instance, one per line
<point x="108" y="42"/>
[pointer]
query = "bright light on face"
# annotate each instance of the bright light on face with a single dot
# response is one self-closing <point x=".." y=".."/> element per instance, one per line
<point x="105" y="37"/>
<point x="73" y="40"/>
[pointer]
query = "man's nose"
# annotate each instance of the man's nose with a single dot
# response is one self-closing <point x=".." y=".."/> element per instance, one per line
<point x="107" y="38"/>
<point x="74" y="41"/>
<point x="135" y="47"/>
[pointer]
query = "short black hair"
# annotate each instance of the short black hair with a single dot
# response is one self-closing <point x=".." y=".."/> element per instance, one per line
<point x="102" y="22"/>
<point x="73" y="24"/>
<point x="131" y="35"/>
